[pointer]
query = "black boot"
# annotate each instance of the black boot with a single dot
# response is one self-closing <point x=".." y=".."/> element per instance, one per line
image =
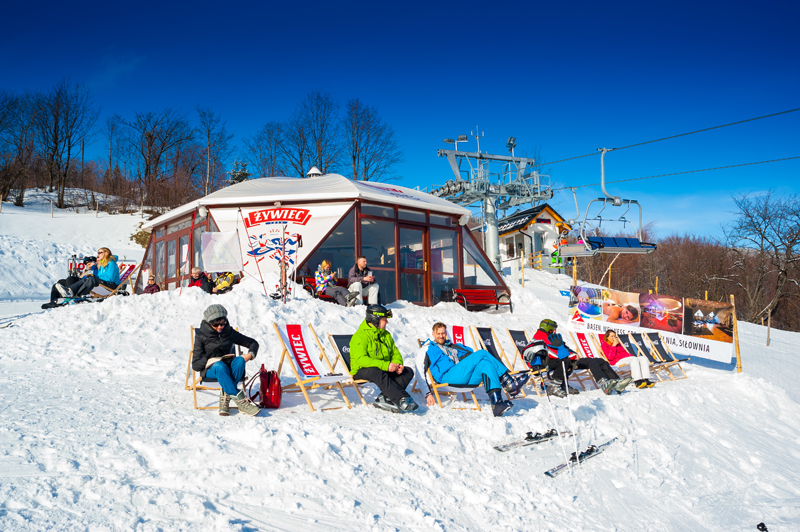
<point x="499" y="407"/>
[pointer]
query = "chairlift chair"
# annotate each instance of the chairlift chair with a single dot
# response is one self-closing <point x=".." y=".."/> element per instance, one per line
<point x="592" y="245"/>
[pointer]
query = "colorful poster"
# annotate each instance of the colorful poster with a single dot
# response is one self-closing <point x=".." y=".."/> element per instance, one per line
<point x="690" y="327"/>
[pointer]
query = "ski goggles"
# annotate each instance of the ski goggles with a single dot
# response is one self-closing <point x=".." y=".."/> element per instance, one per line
<point x="381" y="314"/>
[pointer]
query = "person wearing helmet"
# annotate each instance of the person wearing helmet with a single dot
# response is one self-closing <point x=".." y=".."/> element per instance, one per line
<point x="89" y="268"/>
<point x="458" y="365"/>
<point x="375" y="358"/>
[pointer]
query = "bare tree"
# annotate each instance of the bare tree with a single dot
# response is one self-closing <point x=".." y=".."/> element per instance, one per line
<point x="263" y="150"/>
<point x="765" y="241"/>
<point x="294" y="144"/>
<point x="370" y="143"/>
<point x="217" y="140"/>
<point x="17" y="142"/>
<point x="65" y="116"/>
<point x="319" y="112"/>
<point x="154" y="137"/>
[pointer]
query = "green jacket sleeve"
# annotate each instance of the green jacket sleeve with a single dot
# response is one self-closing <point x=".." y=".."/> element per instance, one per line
<point x="397" y="358"/>
<point x="359" y="357"/>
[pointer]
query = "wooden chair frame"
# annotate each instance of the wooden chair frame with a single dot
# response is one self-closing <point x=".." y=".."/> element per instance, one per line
<point x="305" y="384"/>
<point x="656" y="366"/>
<point x="123" y="282"/>
<point x="667" y="364"/>
<point x="541" y="373"/>
<point x="197" y="378"/>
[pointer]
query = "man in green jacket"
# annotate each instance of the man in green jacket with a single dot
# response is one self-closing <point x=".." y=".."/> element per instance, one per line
<point x="375" y="358"/>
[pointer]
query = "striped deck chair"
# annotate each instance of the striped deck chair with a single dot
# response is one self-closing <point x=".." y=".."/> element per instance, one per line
<point x="308" y="377"/>
<point x="521" y="340"/>
<point x="443" y="388"/>
<point x="488" y="341"/>
<point x="662" y="351"/>
<point x="638" y="345"/>
<point x="103" y="292"/>
<point x="200" y="383"/>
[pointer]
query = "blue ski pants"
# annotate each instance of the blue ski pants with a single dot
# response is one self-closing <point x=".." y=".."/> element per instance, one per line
<point x="478" y="367"/>
<point x="228" y="376"/>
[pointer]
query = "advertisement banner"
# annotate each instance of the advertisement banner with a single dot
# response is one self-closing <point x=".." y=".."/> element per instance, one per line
<point x="690" y="327"/>
<point x="221" y="252"/>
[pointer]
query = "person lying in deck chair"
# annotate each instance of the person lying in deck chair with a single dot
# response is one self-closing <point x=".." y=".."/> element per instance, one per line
<point x="375" y="358"/>
<point x="457" y="364"/>
<point x="213" y="345"/>
<point x="561" y="357"/>
<point x="107" y="275"/>
<point x="55" y="293"/>
<point x="615" y="353"/>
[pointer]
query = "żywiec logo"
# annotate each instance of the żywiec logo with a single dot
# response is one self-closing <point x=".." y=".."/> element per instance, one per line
<point x="278" y="215"/>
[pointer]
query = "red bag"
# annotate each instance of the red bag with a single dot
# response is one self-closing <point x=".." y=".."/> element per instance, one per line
<point x="269" y="394"/>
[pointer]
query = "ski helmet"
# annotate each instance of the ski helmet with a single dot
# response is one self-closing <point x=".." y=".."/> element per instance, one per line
<point x="375" y="313"/>
<point x="548" y="326"/>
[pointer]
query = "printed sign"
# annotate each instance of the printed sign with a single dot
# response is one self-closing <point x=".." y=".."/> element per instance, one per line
<point x="298" y="347"/>
<point x="458" y="335"/>
<point x="278" y="215"/>
<point x="221" y="252"/>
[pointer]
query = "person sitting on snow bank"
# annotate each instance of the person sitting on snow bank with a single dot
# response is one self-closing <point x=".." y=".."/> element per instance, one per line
<point x="200" y="279"/>
<point x="458" y="365"/>
<point x="224" y="283"/>
<point x="375" y="358"/>
<point x="152" y="287"/>
<point x="212" y="357"/>
<point x="89" y="269"/>
<point x="107" y="274"/>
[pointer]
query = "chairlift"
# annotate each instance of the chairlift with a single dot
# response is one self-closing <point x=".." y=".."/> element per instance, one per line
<point x="592" y="245"/>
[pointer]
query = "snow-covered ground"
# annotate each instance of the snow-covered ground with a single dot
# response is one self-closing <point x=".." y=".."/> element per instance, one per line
<point x="97" y="432"/>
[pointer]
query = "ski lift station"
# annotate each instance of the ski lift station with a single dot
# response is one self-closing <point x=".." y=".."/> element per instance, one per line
<point x="417" y="244"/>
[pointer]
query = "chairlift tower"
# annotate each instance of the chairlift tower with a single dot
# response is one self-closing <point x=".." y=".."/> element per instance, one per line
<point x="515" y="183"/>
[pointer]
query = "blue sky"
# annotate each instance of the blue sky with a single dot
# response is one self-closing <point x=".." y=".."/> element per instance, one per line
<point x="565" y="79"/>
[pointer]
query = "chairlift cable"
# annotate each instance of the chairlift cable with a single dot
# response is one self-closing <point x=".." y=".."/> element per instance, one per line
<point x="679" y="173"/>
<point x="667" y="138"/>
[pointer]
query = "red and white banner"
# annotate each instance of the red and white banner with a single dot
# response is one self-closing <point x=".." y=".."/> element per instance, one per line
<point x="278" y="215"/>
<point x="458" y="335"/>
<point x="298" y="346"/>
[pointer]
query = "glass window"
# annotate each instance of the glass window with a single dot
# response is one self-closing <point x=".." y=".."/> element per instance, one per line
<point x="414" y="216"/>
<point x="178" y="226"/>
<point x="377" y="243"/>
<point x="197" y="247"/>
<point x="444" y="250"/>
<point x="171" y="271"/>
<point x="377" y="210"/>
<point x="339" y="248"/>
<point x="411" y="287"/>
<point x="411" y="249"/>
<point x="386" y="278"/>
<point x="477" y="271"/>
<point x="443" y="285"/>
<point x="184" y="250"/>
<point x="441" y="220"/>
<point x="159" y="232"/>
<point x="212" y="227"/>
<point x="159" y="263"/>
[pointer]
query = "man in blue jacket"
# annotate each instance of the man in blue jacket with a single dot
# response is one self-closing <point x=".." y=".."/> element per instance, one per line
<point x="458" y="365"/>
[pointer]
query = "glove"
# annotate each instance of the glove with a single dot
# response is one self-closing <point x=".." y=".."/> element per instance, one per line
<point x="555" y="340"/>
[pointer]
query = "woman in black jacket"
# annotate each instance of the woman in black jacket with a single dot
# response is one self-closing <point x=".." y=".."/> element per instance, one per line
<point x="213" y="358"/>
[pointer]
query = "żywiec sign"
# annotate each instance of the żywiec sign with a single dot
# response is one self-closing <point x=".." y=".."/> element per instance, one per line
<point x="278" y="215"/>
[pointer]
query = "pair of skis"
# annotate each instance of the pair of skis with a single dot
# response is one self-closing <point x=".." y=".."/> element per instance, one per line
<point x="531" y="439"/>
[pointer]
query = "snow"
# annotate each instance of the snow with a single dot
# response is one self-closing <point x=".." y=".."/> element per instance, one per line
<point x="98" y="433"/>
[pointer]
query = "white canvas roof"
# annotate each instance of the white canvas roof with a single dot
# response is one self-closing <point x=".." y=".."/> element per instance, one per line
<point x="268" y="190"/>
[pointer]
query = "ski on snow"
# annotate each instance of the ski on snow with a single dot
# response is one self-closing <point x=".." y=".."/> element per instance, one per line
<point x="531" y="439"/>
<point x="590" y="452"/>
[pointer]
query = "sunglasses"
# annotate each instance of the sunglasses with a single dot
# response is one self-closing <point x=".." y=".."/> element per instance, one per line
<point x="219" y="323"/>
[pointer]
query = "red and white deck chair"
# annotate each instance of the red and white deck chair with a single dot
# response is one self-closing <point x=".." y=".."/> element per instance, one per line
<point x="305" y="365"/>
<point x="125" y="272"/>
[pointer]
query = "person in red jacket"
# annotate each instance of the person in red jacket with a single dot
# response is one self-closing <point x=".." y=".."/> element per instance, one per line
<point x="199" y="278"/>
<point x="616" y="354"/>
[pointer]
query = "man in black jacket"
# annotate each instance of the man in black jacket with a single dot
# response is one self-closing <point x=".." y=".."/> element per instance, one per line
<point x="213" y="358"/>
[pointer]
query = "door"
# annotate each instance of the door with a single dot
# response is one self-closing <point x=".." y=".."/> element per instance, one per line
<point x="414" y="274"/>
<point x="177" y="257"/>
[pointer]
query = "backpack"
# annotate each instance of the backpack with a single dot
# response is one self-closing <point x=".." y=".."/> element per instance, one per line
<point x="269" y="392"/>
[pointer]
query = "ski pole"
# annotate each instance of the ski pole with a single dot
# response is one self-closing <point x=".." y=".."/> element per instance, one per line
<point x="569" y="405"/>
<point x="555" y="422"/>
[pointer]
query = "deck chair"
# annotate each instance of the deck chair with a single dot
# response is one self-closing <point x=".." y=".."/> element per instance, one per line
<point x="662" y="351"/>
<point x="458" y="334"/>
<point x="443" y="388"/>
<point x="520" y="339"/>
<point x="200" y="383"/>
<point x="623" y="370"/>
<point x="341" y="346"/>
<point x="639" y="346"/>
<point x="103" y="292"/>
<point x="308" y="377"/>
<point x="488" y="341"/>
<point x="345" y="360"/>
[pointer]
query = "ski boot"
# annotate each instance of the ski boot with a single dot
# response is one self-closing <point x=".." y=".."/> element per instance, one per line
<point x="407" y="404"/>
<point x="622" y="384"/>
<point x="513" y="384"/>
<point x="385" y="404"/>
<point x="607" y="385"/>
<point x="499" y="407"/>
